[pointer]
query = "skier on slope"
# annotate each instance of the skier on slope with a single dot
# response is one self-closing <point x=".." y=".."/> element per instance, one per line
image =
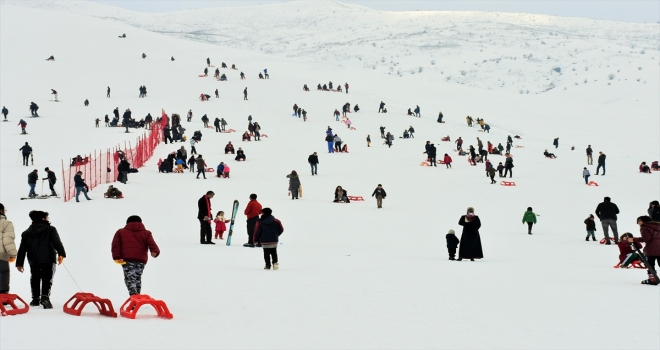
<point x="23" y="125"/>
<point x="33" y="176"/>
<point x="52" y="179"/>
<point x="33" y="109"/>
<point x="26" y="151"/>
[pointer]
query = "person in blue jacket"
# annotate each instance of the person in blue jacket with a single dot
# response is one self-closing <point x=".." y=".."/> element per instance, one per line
<point x="80" y="186"/>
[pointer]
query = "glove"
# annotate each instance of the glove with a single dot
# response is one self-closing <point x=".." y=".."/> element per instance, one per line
<point x="120" y="261"/>
<point x="60" y="259"/>
<point x="12" y="259"/>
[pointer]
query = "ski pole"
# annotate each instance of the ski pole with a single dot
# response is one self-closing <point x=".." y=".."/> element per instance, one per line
<point x="42" y="188"/>
<point x="74" y="280"/>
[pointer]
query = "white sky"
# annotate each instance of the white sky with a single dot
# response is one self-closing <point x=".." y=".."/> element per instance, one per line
<point x="614" y="10"/>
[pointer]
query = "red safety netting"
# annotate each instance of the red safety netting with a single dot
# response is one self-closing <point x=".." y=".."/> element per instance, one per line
<point x="101" y="167"/>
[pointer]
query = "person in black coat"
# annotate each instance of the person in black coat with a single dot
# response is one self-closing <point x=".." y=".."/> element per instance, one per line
<point x="26" y="150"/>
<point x="380" y="194"/>
<point x="33" y="176"/>
<point x="52" y="179"/>
<point x="452" y="244"/>
<point x="205" y="218"/>
<point x="654" y="210"/>
<point x="313" y="161"/>
<point x="123" y="169"/>
<point x="267" y="230"/>
<point x="341" y="195"/>
<point x="606" y="212"/>
<point x="470" y="247"/>
<point x="41" y="243"/>
<point x="167" y="134"/>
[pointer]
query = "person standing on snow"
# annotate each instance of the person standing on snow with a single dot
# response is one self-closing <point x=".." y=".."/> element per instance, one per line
<point x="530" y="218"/>
<point x="330" y="140"/>
<point x="130" y="246"/>
<point x="5" y="111"/>
<point x="8" y="250"/>
<point x="208" y="62"/>
<point x="606" y="212"/>
<point x="245" y="94"/>
<point x="380" y="194"/>
<point x="52" y="179"/>
<point x="650" y="231"/>
<point x="252" y="211"/>
<point x="313" y="161"/>
<point x="447" y="160"/>
<point x="205" y="218"/>
<point x="585" y="175"/>
<point x="80" y="185"/>
<point x="555" y="142"/>
<point x="590" y="159"/>
<point x="267" y="231"/>
<point x="33" y="176"/>
<point x="470" y="247"/>
<point x="26" y="151"/>
<point x="601" y="163"/>
<point x="216" y="123"/>
<point x="201" y="165"/>
<point x="223" y="124"/>
<point x="337" y="141"/>
<point x="205" y="120"/>
<point x="382" y="107"/>
<point x="452" y="244"/>
<point x="417" y="114"/>
<point x="41" y="243"/>
<point x="124" y="167"/>
<point x="294" y="184"/>
<point x="431" y="151"/>
<point x="508" y="166"/>
<point x="346" y="87"/>
<point x="108" y="93"/>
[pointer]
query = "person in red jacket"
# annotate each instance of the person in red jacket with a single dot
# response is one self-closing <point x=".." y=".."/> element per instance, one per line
<point x="252" y="211"/>
<point x="627" y="253"/>
<point x="447" y="161"/>
<point x="129" y="248"/>
<point x="650" y="231"/>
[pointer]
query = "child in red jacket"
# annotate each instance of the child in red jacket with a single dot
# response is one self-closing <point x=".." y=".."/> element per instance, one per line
<point x="627" y="254"/>
<point x="220" y="226"/>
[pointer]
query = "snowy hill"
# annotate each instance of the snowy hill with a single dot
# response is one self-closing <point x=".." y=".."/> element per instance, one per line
<point x="515" y="52"/>
<point x="351" y="276"/>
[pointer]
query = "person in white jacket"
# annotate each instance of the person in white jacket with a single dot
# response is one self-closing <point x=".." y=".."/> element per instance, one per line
<point x="585" y="175"/>
<point x="7" y="249"/>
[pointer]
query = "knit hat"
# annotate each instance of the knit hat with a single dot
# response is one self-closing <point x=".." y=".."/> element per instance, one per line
<point x="470" y="210"/>
<point x="451" y="232"/>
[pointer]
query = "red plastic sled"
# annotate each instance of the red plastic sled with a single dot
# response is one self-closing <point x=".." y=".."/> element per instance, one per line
<point x="131" y="306"/>
<point x="425" y="164"/>
<point x="591" y="183"/>
<point x="210" y="170"/>
<point x="264" y="135"/>
<point x="352" y="128"/>
<point x="507" y="183"/>
<point x="635" y="265"/>
<point x="602" y="241"/>
<point x="356" y="198"/>
<point x="10" y="300"/>
<point x="232" y="130"/>
<point x="76" y="304"/>
<point x="519" y="146"/>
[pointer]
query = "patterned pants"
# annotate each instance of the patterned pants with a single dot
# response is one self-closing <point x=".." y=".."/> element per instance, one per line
<point x="133" y="276"/>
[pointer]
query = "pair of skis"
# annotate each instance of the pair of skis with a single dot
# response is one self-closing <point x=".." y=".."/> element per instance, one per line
<point x="234" y="211"/>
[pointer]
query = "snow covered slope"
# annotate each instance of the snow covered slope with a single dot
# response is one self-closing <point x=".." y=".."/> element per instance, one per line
<point x="520" y="53"/>
<point x="351" y="276"/>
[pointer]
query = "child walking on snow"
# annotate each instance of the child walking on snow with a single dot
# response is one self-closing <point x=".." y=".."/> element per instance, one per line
<point x="591" y="227"/>
<point x="220" y="226"/>
<point x="530" y="218"/>
<point x="452" y="244"/>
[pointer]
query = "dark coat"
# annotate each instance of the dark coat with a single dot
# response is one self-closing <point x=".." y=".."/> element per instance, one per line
<point x="626" y="248"/>
<point x="452" y="241"/>
<point x="132" y="243"/>
<point x="40" y="242"/>
<point x="508" y="163"/>
<point x="379" y="192"/>
<point x="268" y="230"/>
<point x="655" y="213"/>
<point x="78" y="181"/>
<point x="124" y="165"/>
<point x="591" y="224"/>
<point x="650" y="236"/>
<point x="343" y="193"/>
<point x="294" y="182"/>
<point x="51" y="177"/>
<point x="25" y="149"/>
<point x="601" y="159"/>
<point x="33" y="177"/>
<point x="313" y="159"/>
<point x="204" y="208"/>
<point x="470" y="247"/>
<point x="607" y="210"/>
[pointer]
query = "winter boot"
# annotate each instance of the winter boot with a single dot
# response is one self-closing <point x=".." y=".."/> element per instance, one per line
<point x="35" y="302"/>
<point x="452" y="258"/>
<point x="651" y="279"/>
<point x="250" y="245"/>
<point x="276" y="266"/>
<point x="267" y="267"/>
<point x="45" y="302"/>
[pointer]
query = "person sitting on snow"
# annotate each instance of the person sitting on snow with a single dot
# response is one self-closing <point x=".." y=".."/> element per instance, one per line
<point x="229" y="148"/>
<point x="627" y="254"/>
<point x="51" y="58"/>
<point x="112" y="192"/>
<point x="643" y="168"/>
<point x="246" y="137"/>
<point x="549" y="155"/>
<point x="341" y="196"/>
<point x="240" y="155"/>
<point x="305" y="88"/>
<point x="410" y="112"/>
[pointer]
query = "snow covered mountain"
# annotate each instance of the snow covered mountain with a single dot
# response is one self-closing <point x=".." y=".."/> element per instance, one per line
<point x="516" y="52"/>
<point x="351" y="275"/>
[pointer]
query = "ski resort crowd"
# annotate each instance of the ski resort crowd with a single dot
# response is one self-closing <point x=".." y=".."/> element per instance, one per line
<point x="131" y="246"/>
